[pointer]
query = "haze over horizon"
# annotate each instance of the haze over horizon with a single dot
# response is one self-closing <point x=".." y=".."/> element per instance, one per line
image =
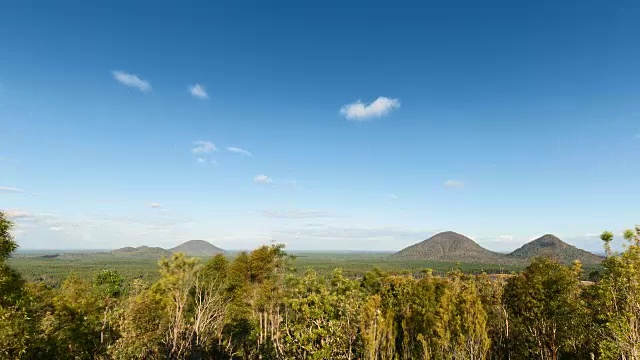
<point x="328" y="126"/>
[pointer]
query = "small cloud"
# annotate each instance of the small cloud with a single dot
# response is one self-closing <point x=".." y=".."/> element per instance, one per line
<point x="131" y="80"/>
<point x="56" y="228"/>
<point x="9" y="189"/>
<point x="296" y="214"/>
<point x="203" y="147"/>
<point x="287" y="184"/>
<point x="393" y="197"/>
<point x="262" y="179"/>
<point x="453" y="184"/>
<point x="637" y="136"/>
<point x="198" y="91"/>
<point x="505" y="238"/>
<point x="238" y="150"/>
<point x="359" y="111"/>
<point x="282" y="184"/>
<point x="323" y="233"/>
<point x="201" y="160"/>
<point x="313" y="225"/>
<point x="155" y="205"/>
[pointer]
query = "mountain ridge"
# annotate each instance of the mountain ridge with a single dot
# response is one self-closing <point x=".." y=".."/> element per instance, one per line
<point x="452" y="246"/>
<point x="448" y="246"/>
<point x="549" y="245"/>
<point x="197" y="248"/>
<point x="190" y="248"/>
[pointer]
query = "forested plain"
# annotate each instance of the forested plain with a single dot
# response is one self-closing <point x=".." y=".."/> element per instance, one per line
<point x="259" y="305"/>
<point x="53" y="268"/>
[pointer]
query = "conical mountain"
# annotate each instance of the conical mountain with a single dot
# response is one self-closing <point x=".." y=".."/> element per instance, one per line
<point x="141" y="251"/>
<point x="197" y="248"/>
<point x="448" y="246"/>
<point x="551" y="246"/>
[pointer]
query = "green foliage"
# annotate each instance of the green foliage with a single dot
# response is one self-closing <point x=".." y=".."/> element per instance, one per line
<point x="141" y="324"/>
<point x="7" y="245"/>
<point x="618" y="299"/>
<point x="321" y="317"/>
<point x="257" y="306"/>
<point x="545" y="309"/>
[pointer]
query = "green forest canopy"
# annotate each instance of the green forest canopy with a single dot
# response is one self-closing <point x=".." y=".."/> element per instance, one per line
<point x="255" y="307"/>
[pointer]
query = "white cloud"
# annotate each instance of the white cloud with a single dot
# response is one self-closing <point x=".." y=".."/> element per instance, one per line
<point x="14" y="214"/>
<point x="9" y="189"/>
<point x="296" y="214"/>
<point x="359" y="111"/>
<point x="505" y="238"/>
<point x="155" y="205"/>
<point x="393" y="197"/>
<point x="262" y="179"/>
<point x="333" y="237"/>
<point x="238" y="150"/>
<point x="290" y="184"/>
<point x="131" y="80"/>
<point x="201" y="160"/>
<point x="281" y="184"/>
<point x="199" y="91"/>
<point x="453" y="184"/>
<point x="102" y="231"/>
<point x="203" y="147"/>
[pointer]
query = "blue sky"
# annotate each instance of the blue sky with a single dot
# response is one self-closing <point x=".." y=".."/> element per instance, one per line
<point x="323" y="125"/>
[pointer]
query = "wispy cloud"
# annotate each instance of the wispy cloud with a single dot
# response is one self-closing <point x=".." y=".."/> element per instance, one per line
<point x="296" y="214"/>
<point x="343" y="233"/>
<point x="288" y="184"/>
<point x="99" y="230"/>
<point x="238" y="150"/>
<point x="9" y="189"/>
<point x="15" y="214"/>
<point x="262" y="179"/>
<point x="359" y="111"/>
<point x="203" y="147"/>
<point x="637" y="136"/>
<point x="275" y="183"/>
<point x="393" y="197"/>
<point x="453" y="184"/>
<point x="199" y="91"/>
<point x="154" y="205"/>
<point x="131" y="80"/>
<point x="352" y="238"/>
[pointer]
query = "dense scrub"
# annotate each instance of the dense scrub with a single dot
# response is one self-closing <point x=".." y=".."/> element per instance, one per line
<point x="254" y="307"/>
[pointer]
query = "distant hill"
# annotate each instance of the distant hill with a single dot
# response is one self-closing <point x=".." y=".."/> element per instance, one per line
<point x="197" y="248"/>
<point x="141" y="251"/>
<point x="551" y="246"/>
<point x="189" y="248"/>
<point x="449" y="246"/>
